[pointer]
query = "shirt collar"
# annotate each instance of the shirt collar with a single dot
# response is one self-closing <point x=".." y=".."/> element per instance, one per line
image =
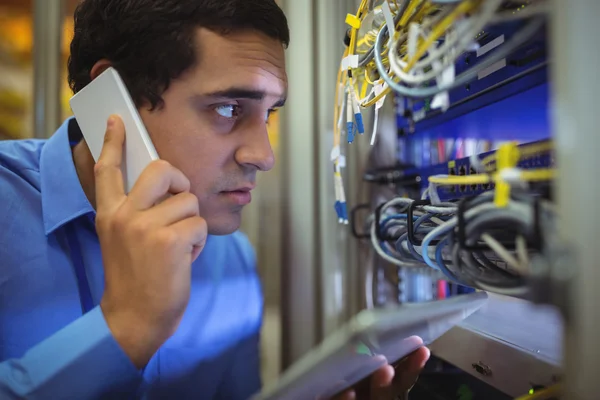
<point x="63" y="198"/>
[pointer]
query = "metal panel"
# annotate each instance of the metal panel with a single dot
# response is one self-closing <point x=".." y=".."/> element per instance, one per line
<point x="48" y="19"/>
<point x="322" y="280"/>
<point x="299" y="268"/>
<point x="575" y="75"/>
<point x="518" y="345"/>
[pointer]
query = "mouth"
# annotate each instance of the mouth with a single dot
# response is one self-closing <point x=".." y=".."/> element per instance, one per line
<point x="240" y="196"/>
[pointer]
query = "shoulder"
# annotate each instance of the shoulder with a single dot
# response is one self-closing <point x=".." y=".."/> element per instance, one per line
<point x="21" y="210"/>
<point x="20" y="163"/>
<point x="19" y="173"/>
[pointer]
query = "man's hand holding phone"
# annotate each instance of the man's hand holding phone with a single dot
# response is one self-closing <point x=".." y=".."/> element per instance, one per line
<point x="148" y="246"/>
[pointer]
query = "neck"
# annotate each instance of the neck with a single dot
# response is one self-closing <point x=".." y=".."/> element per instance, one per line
<point x="84" y="165"/>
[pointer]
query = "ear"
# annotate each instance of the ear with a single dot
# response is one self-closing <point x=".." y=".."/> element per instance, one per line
<point x="99" y="67"/>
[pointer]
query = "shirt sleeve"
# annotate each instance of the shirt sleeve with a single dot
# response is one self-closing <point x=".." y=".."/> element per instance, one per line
<point x="82" y="361"/>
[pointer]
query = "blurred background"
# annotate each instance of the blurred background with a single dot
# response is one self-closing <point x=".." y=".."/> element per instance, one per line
<point x="18" y="51"/>
<point x="309" y="268"/>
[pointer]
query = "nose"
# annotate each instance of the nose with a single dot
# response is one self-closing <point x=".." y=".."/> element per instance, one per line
<point x="256" y="150"/>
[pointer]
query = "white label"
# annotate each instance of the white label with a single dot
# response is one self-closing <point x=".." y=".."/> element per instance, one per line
<point x="375" y="127"/>
<point x="389" y="19"/>
<point x="490" y="46"/>
<point x="335" y="153"/>
<point x="380" y="88"/>
<point x="492" y="68"/>
<point x="419" y="115"/>
<point x="441" y="101"/>
<point x="342" y="161"/>
<point x="413" y="38"/>
<point x="350" y="62"/>
<point x="341" y="94"/>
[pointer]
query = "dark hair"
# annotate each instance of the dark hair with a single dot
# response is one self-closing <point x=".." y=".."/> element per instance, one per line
<point x="151" y="42"/>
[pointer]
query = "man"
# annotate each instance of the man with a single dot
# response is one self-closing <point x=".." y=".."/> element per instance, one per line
<point x="105" y="294"/>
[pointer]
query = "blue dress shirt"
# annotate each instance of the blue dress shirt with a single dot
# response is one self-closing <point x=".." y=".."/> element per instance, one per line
<point x="51" y="349"/>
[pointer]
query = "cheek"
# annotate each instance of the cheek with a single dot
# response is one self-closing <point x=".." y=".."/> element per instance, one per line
<point x="202" y="159"/>
<point x="187" y="142"/>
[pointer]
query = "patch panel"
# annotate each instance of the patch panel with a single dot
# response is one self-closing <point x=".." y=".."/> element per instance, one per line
<point x="524" y="69"/>
<point x="463" y="167"/>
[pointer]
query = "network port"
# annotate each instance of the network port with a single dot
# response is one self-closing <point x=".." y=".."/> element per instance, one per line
<point x="473" y="172"/>
<point x="462" y="171"/>
<point x="452" y="172"/>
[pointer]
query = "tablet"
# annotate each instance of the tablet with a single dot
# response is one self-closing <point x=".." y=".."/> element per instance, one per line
<point x="369" y="341"/>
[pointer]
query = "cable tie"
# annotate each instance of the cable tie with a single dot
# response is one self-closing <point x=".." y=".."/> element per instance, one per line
<point x="350" y="62"/>
<point x="512" y="176"/>
<point x="335" y="153"/>
<point x="507" y="156"/>
<point x="353" y="21"/>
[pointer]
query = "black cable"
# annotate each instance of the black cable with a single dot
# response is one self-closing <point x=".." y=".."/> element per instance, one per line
<point x="476" y="272"/>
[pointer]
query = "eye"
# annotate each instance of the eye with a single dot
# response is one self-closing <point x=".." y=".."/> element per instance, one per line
<point x="229" y="111"/>
<point x="269" y="113"/>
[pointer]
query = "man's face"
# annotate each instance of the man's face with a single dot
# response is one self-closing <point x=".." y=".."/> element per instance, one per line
<point x="213" y="126"/>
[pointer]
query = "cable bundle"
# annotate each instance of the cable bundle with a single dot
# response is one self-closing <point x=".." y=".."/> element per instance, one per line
<point x="410" y="48"/>
<point x="473" y="243"/>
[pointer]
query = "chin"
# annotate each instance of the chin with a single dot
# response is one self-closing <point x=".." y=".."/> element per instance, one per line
<point x="223" y="224"/>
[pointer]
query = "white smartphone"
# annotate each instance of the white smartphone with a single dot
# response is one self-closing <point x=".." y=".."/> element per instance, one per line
<point x="104" y="96"/>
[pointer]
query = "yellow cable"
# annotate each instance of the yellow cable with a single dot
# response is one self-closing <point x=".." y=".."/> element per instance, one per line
<point x="375" y="99"/>
<point x="526" y="151"/>
<point x="407" y="17"/>
<point x="533" y="175"/>
<point x="412" y="6"/>
<point x="363" y="91"/>
<point x="538" y="175"/>
<point x="340" y="79"/>
<point x="410" y="9"/>
<point x="508" y="157"/>
<point x="354" y="33"/>
<point x="543" y="394"/>
<point x="424" y="11"/>
<point x="439" y="30"/>
<point x="479" y="179"/>
<point x="368" y="78"/>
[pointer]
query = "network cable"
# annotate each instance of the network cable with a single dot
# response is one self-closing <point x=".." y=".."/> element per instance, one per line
<point x="490" y="258"/>
<point x="423" y="92"/>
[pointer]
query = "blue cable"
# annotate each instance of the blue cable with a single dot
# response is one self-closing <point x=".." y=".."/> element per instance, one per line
<point x="350" y="126"/>
<point x="392" y="218"/>
<point x="420" y="220"/>
<point x="442" y="264"/>
<point x="426" y="243"/>
<point x="359" y="123"/>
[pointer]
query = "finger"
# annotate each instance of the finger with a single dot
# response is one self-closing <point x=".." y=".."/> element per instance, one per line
<point x="348" y="395"/>
<point x="408" y="371"/>
<point x="381" y="383"/>
<point x="107" y="171"/>
<point x="193" y="232"/>
<point x="156" y="181"/>
<point x="415" y="341"/>
<point x="382" y="377"/>
<point x="174" y="209"/>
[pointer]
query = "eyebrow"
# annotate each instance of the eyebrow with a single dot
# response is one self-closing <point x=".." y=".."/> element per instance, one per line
<point x="248" y="94"/>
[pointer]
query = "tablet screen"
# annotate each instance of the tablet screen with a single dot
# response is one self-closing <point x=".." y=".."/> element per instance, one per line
<point x="372" y="339"/>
